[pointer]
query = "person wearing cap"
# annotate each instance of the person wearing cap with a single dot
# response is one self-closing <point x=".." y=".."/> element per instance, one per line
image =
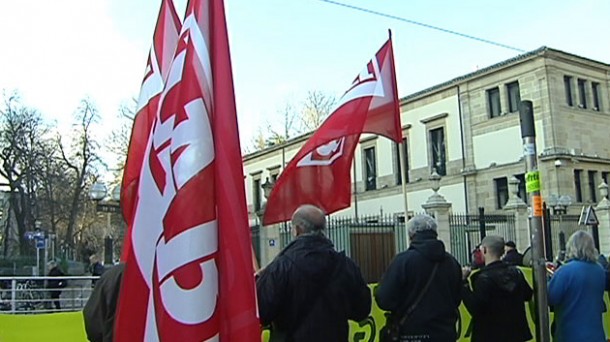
<point x="426" y="278"/>
<point x="511" y="255"/>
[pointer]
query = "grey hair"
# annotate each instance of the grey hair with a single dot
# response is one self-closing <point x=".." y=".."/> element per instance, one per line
<point x="495" y="244"/>
<point x="310" y="218"/>
<point x="580" y="246"/>
<point x="421" y="223"/>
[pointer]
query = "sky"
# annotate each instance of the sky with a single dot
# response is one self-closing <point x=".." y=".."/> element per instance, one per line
<point x="55" y="53"/>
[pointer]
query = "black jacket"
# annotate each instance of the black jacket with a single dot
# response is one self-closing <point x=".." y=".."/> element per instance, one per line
<point x="100" y="310"/>
<point x="309" y="292"/>
<point x="56" y="283"/>
<point x="497" y="304"/>
<point x="434" y="318"/>
<point x="514" y="258"/>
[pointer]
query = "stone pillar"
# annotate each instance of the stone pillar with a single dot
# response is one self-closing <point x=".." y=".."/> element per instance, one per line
<point x="603" y="216"/>
<point x="270" y="245"/>
<point x="518" y="208"/>
<point x="437" y="206"/>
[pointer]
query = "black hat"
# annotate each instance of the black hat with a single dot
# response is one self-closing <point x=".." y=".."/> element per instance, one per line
<point x="511" y="244"/>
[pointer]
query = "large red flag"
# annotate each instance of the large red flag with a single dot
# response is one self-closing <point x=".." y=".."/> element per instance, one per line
<point x="190" y="274"/>
<point x="160" y="57"/>
<point x="319" y="174"/>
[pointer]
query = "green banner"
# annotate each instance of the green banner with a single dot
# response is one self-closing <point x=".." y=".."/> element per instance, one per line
<point x="69" y="327"/>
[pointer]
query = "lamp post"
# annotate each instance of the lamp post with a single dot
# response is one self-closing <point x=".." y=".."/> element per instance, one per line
<point x="559" y="204"/>
<point x="97" y="193"/>
<point x="267" y="187"/>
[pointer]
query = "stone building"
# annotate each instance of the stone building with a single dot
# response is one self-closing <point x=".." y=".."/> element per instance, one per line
<point x="467" y="129"/>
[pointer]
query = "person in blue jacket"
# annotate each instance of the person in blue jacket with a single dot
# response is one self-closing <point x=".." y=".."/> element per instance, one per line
<point x="576" y="293"/>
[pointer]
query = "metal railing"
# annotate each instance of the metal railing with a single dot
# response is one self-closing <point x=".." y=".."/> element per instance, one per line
<point x="465" y="232"/>
<point x="30" y="295"/>
<point x="372" y="241"/>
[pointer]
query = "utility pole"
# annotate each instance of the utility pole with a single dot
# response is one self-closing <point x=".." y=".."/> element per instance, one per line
<point x="528" y="133"/>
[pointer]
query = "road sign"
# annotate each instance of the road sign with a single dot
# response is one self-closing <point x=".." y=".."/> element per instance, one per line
<point x="108" y="208"/>
<point x="39" y="243"/>
<point x="588" y="217"/>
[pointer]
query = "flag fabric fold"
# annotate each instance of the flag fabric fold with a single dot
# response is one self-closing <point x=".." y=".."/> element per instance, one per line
<point x="165" y="39"/>
<point x="319" y="174"/>
<point x="189" y="276"/>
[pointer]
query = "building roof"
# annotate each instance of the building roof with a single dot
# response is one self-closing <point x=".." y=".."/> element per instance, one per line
<point x="542" y="51"/>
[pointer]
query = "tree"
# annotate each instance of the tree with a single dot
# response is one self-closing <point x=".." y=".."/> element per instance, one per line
<point x="81" y="162"/>
<point x="316" y="108"/>
<point x="118" y="142"/>
<point x="309" y="116"/>
<point x="21" y="130"/>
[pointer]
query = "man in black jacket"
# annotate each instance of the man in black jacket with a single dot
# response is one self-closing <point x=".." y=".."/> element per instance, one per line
<point x="309" y="291"/>
<point x="435" y="316"/>
<point x="512" y="256"/>
<point x="496" y="302"/>
<point x="55" y="285"/>
<point x="100" y="310"/>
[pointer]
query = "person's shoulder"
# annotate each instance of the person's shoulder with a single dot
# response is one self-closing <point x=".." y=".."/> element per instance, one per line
<point x="450" y="259"/>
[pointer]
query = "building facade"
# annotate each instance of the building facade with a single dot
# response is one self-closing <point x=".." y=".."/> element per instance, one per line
<point x="467" y="129"/>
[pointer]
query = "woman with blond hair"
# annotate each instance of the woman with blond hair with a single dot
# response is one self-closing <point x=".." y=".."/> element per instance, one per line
<point x="576" y="292"/>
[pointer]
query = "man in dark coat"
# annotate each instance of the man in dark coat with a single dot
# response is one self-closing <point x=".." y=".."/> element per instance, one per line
<point x="310" y="291"/>
<point x="96" y="268"/>
<point x="55" y="285"/>
<point x="512" y="256"/>
<point x="435" y="316"/>
<point x="496" y="302"/>
<point x="100" y="310"/>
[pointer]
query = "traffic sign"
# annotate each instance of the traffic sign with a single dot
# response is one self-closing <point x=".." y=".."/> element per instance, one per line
<point x="39" y="243"/>
<point x="108" y="208"/>
<point x="588" y="217"/>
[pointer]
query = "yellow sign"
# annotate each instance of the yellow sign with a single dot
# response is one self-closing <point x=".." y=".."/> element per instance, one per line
<point x="532" y="181"/>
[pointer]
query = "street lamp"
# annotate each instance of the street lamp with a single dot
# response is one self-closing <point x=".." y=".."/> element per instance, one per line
<point x="267" y="187"/>
<point x="97" y="193"/>
<point x="560" y="205"/>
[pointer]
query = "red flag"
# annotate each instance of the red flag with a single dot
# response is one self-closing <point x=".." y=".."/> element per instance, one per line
<point x="320" y="173"/>
<point x="190" y="274"/>
<point x="160" y="56"/>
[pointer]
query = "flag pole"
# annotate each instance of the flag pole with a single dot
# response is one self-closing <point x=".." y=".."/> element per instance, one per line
<point x="402" y="156"/>
<point x="355" y="190"/>
<point x="403" y="182"/>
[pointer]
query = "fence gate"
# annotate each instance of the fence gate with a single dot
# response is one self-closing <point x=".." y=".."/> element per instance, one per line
<point x="465" y="232"/>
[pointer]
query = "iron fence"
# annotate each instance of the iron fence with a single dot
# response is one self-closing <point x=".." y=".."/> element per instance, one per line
<point x="371" y="241"/>
<point x="568" y="224"/>
<point x="29" y="295"/>
<point x="465" y="232"/>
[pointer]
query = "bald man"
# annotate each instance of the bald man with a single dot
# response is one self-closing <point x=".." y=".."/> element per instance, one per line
<point x="310" y="291"/>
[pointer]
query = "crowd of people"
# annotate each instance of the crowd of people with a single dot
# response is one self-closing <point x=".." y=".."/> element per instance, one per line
<point x="310" y="291"/>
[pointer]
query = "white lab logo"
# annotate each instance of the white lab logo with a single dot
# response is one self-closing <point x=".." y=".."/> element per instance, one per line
<point x="368" y="83"/>
<point x="325" y="154"/>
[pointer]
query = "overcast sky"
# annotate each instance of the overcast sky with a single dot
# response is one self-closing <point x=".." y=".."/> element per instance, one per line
<point x="57" y="52"/>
